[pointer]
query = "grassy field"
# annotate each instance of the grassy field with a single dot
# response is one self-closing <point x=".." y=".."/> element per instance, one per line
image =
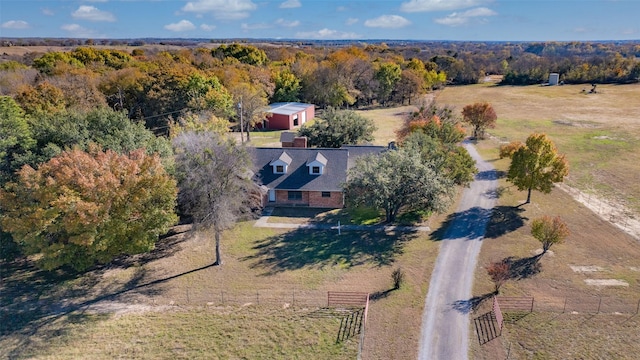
<point x="599" y="132"/>
<point x="594" y="250"/>
<point x="173" y="304"/>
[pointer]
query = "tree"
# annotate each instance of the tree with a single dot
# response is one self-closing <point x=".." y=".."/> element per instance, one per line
<point x="16" y="138"/>
<point x="397" y="180"/>
<point x="536" y="165"/>
<point x="252" y="107"/>
<point x="337" y="128"/>
<point x="435" y="133"/>
<point x="481" y="116"/>
<point x="80" y="208"/>
<point x="287" y="87"/>
<point x="387" y="74"/>
<point x="549" y="231"/>
<point x="499" y="272"/>
<point x="214" y="177"/>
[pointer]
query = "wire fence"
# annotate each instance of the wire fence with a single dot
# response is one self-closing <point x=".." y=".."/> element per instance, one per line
<point x="613" y="211"/>
<point x="581" y="305"/>
<point x="207" y="297"/>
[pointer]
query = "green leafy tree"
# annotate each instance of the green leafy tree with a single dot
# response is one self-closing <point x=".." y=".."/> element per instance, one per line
<point x="16" y="138"/>
<point x="81" y="209"/>
<point x="397" y="180"/>
<point x="214" y="177"/>
<point x="246" y="54"/>
<point x="481" y="116"/>
<point x="108" y="128"/>
<point x="536" y="165"/>
<point x="337" y="128"/>
<point x="387" y="74"/>
<point x="287" y="87"/>
<point x="549" y="230"/>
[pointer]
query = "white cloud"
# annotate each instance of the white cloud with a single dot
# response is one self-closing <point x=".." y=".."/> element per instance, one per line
<point x="92" y="13"/>
<point x="351" y="21"/>
<point x="342" y="8"/>
<point x="388" y="22"/>
<point x="327" y="34"/>
<point x="285" y="23"/>
<point x="15" y="25"/>
<point x="207" y="27"/>
<point x="456" y="19"/>
<point x="221" y="9"/>
<point x="47" y="11"/>
<point x="182" y="25"/>
<point x="256" y="26"/>
<point x="439" y="5"/>
<point x="290" y="4"/>
<point x="78" y="31"/>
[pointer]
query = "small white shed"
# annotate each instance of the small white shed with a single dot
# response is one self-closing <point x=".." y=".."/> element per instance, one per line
<point x="554" y="78"/>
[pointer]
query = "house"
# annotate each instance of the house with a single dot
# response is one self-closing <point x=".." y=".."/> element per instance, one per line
<point x="300" y="176"/>
<point x="287" y="116"/>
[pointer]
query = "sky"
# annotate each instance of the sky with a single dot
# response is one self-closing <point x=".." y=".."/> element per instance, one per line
<point x="462" y="20"/>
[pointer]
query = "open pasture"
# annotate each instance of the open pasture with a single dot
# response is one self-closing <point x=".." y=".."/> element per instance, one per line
<point x="599" y="133"/>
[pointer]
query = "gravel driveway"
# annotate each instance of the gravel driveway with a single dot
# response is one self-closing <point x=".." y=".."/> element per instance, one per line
<point x="445" y="322"/>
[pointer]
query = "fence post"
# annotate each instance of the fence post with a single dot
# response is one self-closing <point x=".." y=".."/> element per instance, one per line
<point x="257" y="298"/>
<point x="638" y="307"/>
<point x="565" y="305"/>
<point x="599" y="303"/>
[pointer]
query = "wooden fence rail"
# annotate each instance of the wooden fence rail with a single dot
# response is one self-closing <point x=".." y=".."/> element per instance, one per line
<point x="356" y="299"/>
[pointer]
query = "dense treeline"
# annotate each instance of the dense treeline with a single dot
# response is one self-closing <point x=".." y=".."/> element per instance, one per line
<point x="161" y="86"/>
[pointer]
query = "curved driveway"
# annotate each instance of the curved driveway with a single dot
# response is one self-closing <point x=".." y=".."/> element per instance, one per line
<point x="445" y="322"/>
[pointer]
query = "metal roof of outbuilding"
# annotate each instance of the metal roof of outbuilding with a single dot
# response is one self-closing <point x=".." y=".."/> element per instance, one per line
<point x="288" y="108"/>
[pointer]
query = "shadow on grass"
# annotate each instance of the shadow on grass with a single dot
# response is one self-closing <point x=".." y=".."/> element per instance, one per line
<point x="307" y="248"/>
<point x="480" y="222"/>
<point x="523" y="268"/>
<point x="32" y="299"/>
<point x="471" y="305"/>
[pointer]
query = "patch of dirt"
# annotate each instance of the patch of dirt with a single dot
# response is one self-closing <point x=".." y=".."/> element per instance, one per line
<point x="606" y="282"/>
<point x="615" y="213"/>
<point x="585" y="269"/>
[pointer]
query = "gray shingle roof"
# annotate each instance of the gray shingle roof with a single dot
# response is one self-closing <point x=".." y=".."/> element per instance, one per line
<point x="298" y="177"/>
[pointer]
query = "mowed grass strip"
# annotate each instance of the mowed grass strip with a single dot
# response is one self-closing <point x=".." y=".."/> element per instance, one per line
<point x="197" y="333"/>
<point x="598" y="133"/>
<point x="593" y="243"/>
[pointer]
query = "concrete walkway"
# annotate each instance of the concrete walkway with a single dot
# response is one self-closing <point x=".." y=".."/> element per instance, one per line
<point x="263" y="221"/>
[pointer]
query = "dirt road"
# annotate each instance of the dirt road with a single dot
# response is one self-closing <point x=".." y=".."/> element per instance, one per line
<point x="445" y="322"/>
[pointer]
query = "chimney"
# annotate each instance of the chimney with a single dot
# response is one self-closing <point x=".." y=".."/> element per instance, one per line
<point x="300" y="142"/>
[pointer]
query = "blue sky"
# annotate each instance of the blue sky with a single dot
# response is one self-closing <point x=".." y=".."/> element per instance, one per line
<point x="481" y="20"/>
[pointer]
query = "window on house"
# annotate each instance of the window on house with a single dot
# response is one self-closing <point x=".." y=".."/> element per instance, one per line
<point x="295" y="120"/>
<point x="315" y="169"/>
<point x="295" y="195"/>
<point x="279" y="169"/>
<point x="326" y="194"/>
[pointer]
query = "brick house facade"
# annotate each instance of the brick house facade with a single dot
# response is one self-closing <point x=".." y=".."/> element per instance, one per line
<point x="311" y="177"/>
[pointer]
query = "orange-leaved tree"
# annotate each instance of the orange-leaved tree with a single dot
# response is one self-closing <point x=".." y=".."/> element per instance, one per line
<point x="83" y="208"/>
<point x="481" y="116"/>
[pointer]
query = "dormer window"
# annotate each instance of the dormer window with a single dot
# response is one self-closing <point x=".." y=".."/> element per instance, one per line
<point x="281" y="164"/>
<point x="317" y="164"/>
